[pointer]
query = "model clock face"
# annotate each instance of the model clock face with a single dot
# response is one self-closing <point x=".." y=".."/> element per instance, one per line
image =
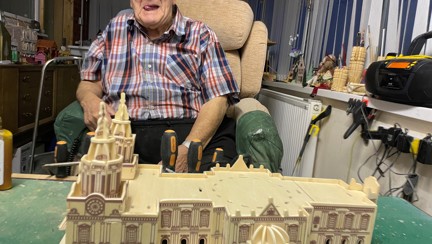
<point x="95" y="206"/>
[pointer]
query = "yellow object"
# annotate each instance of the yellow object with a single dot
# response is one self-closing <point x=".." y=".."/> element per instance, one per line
<point x="5" y="158"/>
<point x="314" y="130"/>
<point x="356" y="66"/>
<point x="415" y="146"/>
<point x="419" y="56"/>
<point x="340" y="78"/>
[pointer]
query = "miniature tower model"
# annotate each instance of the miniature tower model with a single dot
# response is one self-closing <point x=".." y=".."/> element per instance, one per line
<point x="356" y="65"/>
<point x="340" y="78"/>
<point x="101" y="167"/>
<point x="121" y="130"/>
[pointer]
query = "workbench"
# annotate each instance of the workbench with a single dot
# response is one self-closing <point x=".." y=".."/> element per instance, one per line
<point x="33" y="209"/>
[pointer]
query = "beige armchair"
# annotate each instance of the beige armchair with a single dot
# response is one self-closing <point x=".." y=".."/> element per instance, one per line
<point x="243" y="39"/>
<point x="245" y="43"/>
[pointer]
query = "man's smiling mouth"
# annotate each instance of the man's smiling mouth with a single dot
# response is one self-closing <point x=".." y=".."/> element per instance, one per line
<point x="150" y="7"/>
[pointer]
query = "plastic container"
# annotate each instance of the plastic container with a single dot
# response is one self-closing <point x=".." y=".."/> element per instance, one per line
<point x="5" y="158"/>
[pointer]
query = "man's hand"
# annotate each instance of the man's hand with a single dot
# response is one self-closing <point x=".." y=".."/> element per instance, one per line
<point x="181" y="165"/>
<point x="91" y="113"/>
<point x="89" y="94"/>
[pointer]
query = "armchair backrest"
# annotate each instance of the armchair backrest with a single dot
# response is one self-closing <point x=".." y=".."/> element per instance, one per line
<point x="243" y="39"/>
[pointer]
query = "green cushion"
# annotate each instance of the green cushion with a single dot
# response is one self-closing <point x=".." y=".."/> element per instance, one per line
<point x="257" y="137"/>
<point x="69" y="124"/>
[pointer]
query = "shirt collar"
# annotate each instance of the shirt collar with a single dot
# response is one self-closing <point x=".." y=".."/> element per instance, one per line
<point x="179" y="24"/>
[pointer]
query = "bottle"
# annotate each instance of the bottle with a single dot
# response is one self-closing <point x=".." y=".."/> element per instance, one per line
<point x="5" y="158"/>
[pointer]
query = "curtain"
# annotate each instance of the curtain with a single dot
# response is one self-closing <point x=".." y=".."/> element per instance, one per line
<point x="332" y="27"/>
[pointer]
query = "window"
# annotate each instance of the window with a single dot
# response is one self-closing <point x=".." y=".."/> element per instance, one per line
<point x="164" y="241"/>
<point x="244" y="233"/>
<point x="131" y="234"/>
<point x="186" y="218"/>
<point x="364" y="223"/>
<point x="332" y="219"/>
<point x="166" y="219"/>
<point x="183" y="241"/>
<point x="328" y="241"/>
<point x="202" y="241"/>
<point x="349" y="219"/>
<point x="84" y="234"/>
<point x="293" y="232"/>
<point x="204" y="218"/>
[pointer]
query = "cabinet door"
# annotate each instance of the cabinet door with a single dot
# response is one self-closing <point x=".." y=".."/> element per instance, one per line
<point x="9" y="98"/>
<point x="66" y="83"/>
<point x="29" y="82"/>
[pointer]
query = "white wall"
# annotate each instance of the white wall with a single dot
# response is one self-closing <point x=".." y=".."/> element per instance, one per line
<point x="341" y="158"/>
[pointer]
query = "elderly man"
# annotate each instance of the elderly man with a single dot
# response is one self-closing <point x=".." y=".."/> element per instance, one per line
<point x="174" y="73"/>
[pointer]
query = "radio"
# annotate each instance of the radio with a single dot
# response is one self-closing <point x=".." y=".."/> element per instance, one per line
<point x="403" y="79"/>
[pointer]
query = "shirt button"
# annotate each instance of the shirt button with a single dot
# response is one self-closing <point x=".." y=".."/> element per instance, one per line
<point x="149" y="66"/>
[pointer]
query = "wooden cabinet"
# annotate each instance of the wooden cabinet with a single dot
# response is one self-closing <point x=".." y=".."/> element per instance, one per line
<point x="19" y="88"/>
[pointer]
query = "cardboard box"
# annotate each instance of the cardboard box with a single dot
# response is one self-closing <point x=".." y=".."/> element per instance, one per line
<point x="21" y="158"/>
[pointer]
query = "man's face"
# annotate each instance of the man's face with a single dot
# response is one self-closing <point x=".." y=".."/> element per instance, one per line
<point x="153" y="14"/>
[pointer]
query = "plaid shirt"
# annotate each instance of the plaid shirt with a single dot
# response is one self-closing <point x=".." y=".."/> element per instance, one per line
<point x="171" y="77"/>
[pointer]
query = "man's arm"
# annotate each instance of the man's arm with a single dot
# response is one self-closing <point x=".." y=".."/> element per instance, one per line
<point x="89" y="95"/>
<point x="208" y="121"/>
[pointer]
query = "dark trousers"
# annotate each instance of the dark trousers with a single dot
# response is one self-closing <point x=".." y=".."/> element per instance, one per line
<point x="149" y="134"/>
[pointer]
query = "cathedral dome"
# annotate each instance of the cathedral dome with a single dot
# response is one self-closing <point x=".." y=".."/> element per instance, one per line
<point x="270" y="234"/>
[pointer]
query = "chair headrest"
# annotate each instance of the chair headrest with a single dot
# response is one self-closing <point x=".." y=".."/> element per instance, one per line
<point x="231" y="20"/>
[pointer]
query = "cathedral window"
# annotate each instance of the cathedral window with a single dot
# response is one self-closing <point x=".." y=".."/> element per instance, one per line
<point x="349" y="219"/>
<point x="84" y="234"/>
<point x="166" y="219"/>
<point x="364" y="223"/>
<point x="244" y="233"/>
<point x="331" y="223"/>
<point x="186" y="218"/>
<point x="293" y="232"/>
<point x="204" y="218"/>
<point x="131" y="234"/>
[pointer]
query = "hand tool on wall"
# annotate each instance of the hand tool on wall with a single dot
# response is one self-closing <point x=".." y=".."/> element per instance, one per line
<point x="312" y="130"/>
<point x="169" y="150"/>
<point x="362" y="115"/>
<point x="194" y="156"/>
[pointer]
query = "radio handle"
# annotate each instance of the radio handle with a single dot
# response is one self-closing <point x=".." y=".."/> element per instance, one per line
<point x="418" y="43"/>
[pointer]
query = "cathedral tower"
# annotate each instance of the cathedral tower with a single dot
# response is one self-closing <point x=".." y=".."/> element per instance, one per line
<point x="101" y="167"/>
<point x="121" y="130"/>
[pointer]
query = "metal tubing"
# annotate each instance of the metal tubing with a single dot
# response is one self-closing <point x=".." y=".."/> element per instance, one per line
<point x="36" y="123"/>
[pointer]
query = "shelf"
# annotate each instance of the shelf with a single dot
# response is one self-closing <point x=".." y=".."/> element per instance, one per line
<point x="415" y="112"/>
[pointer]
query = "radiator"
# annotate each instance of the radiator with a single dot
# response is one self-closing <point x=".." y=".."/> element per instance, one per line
<point x="292" y="116"/>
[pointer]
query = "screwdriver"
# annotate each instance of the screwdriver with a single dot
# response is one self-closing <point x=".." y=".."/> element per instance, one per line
<point x="87" y="141"/>
<point x="217" y="155"/>
<point x="169" y="150"/>
<point x="61" y="155"/>
<point x="194" y="156"/>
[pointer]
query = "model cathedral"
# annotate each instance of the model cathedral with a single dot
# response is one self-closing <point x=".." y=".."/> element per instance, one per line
<point x="115" y="200"/>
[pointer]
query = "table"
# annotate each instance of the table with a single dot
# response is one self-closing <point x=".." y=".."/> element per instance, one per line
<point x="33" y="209"/>
<point x="399" y="222"/>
